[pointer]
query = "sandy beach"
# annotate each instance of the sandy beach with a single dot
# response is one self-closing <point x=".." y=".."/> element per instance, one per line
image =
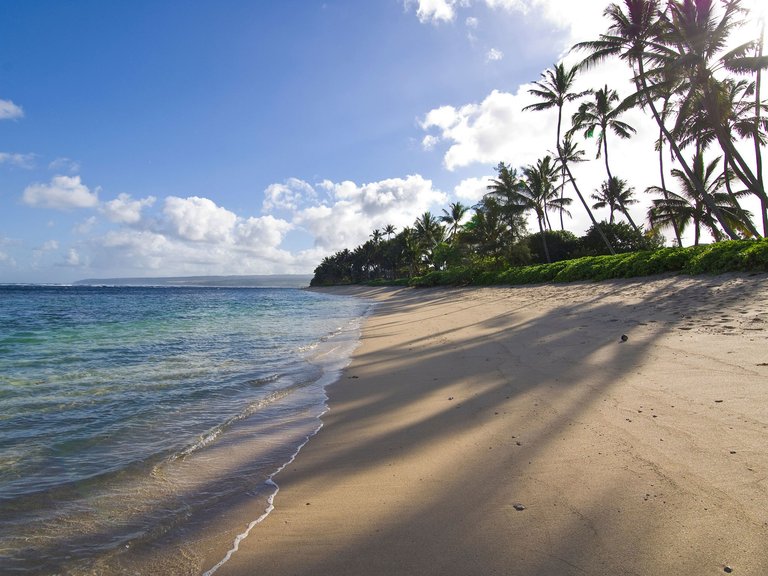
<point x="616" y="428"/>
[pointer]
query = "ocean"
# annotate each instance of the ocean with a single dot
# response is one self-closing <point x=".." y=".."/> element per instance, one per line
<point x="131" y="416"/>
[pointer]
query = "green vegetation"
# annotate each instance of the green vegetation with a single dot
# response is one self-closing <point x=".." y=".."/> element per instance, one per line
<point x="702" y="90"/>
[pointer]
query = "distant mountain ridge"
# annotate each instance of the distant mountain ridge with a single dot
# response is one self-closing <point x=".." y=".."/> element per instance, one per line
<point x="252" y="281"/>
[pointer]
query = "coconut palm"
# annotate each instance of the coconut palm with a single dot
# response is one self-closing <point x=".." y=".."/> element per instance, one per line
<point x="389" y="230"/>
<point x="615" y="195"/>
<point x="638" y="35"/>
<point x="570" y="154"/>
<point x="535" y="191"/>
<point x="601" y="115"/>
<point x="453" y="218"/>
<point x="688" y="207"/>
<point x="701" y="36"/>
<point x="553" y="90"/>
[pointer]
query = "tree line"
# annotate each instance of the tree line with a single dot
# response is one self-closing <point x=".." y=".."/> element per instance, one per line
<point x="702" y="91"/>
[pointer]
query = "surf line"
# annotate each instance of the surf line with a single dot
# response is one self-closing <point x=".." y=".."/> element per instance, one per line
<point x="270" y="501"/>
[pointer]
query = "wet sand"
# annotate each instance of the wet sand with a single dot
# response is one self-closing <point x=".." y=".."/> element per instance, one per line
<point x="514" y="431"/>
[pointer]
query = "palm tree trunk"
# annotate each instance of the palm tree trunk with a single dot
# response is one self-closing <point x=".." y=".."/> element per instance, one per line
<point x="746" y="219"/>
<point x="709" y="201"/>
<point x="756" y="137"/>
<point x="544" y="239"/>
<point x="586" y="207"/>
<point x="562" y="166"/>
<point x="610" y="179"/>
<point x="675" y="227"/>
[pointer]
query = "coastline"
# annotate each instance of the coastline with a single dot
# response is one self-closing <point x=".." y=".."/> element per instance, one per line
<point x="512" y="431"/>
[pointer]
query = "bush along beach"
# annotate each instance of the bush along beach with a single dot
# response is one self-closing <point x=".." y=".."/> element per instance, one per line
<point x="697" y="71"/>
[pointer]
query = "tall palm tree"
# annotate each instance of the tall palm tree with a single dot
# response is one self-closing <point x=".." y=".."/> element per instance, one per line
<point x="701" y="36"/>
<point x="453" y="218"/>
<point x="688" y="207"/>
<point x="535" y="191"/>
<point x="738" y="119"/>
<point x="389" y="230"/>
<point x="600" y="114"/>
<point x="570" y="154"/>
<point x="639" y="35"/>
<point x="554" y="90"/>
<point x="615" y="195"/>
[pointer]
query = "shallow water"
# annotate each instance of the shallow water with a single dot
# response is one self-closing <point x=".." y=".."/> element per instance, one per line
<point x="127" y="414"/>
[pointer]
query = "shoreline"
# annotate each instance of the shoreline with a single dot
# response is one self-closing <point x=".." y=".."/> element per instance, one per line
<point x="510" y="430"/>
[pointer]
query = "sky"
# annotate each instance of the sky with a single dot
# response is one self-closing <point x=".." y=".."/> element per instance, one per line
<point x="170" y="138"/>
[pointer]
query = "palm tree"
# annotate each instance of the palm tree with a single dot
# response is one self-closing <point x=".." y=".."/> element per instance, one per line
<point x="701" y="38"/>
<point x="553" y="90"/>
<point x="615" y="195"/>
<point x="636" y="36"/>
<point x="736" y="106"/>
<point x="570" y="154"/>
<point x="454" y="218"/>
<point x="376" y="236"/>
<point x="389" y="230"/>
<point x="600" y="114"/>
<point x="689" y="207"/>
<point x="429" y="233"/>
<point x="534" y="191"/>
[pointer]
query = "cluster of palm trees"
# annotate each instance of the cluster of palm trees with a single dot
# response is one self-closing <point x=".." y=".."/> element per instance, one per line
<point x="703" y="90"/>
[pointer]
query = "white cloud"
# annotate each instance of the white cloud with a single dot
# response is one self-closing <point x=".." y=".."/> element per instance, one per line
<point x="494" y="55"/>
<point x="355" y="210"/>
<point x="472" y="22"/>
<point x="62" y="193"/>
<point x="86" y="226"/>
<point x="26" y="161"/>
<point x="492" y="131"/>
<point x="73" y="258"/>
<point x="436" y="11"/>
<point x="10" y="111"/>
<point x="266" y="231"/>
<point x="50" y="245"/>
<point x="290" y="195"/>
<point x="472" y="190"/>
<point x="199" y="219"/>
<point x="125" y="210"/>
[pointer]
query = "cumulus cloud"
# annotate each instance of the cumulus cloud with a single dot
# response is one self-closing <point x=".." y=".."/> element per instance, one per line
<point x="199" y="219"/>
<point x="472" y="190"/>
<point x="26" y="161"/>
<point x="62" y="193"/>
<point x="354" y="210"/>
<point x="436" y="11"/>
<point x="10" y="111"/>
<point x="491" y="131"/>
<point x="290" y="195"/>
<point x="125" y="210"/>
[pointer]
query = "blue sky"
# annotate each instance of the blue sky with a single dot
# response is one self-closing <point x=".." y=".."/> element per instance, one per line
<point x="160" y="138"/>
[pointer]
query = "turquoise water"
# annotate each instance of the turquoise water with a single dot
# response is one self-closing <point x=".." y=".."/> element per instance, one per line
<point x="128" y="413"/>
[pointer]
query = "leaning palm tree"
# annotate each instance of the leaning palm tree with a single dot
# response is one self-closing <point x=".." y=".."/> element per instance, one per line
<point x="614" y="195"/>
<point x="688" y="207"/>
<point x="554" y="90"/>
<point x="640" y="37"/>
<point x="535" y="191"/>
<point x="601" y="115"/>
<point x="570" y="154"/>
<point x="701" y="36"/>
<point x="453" y="218"/>
<point x="738" y="119"/>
